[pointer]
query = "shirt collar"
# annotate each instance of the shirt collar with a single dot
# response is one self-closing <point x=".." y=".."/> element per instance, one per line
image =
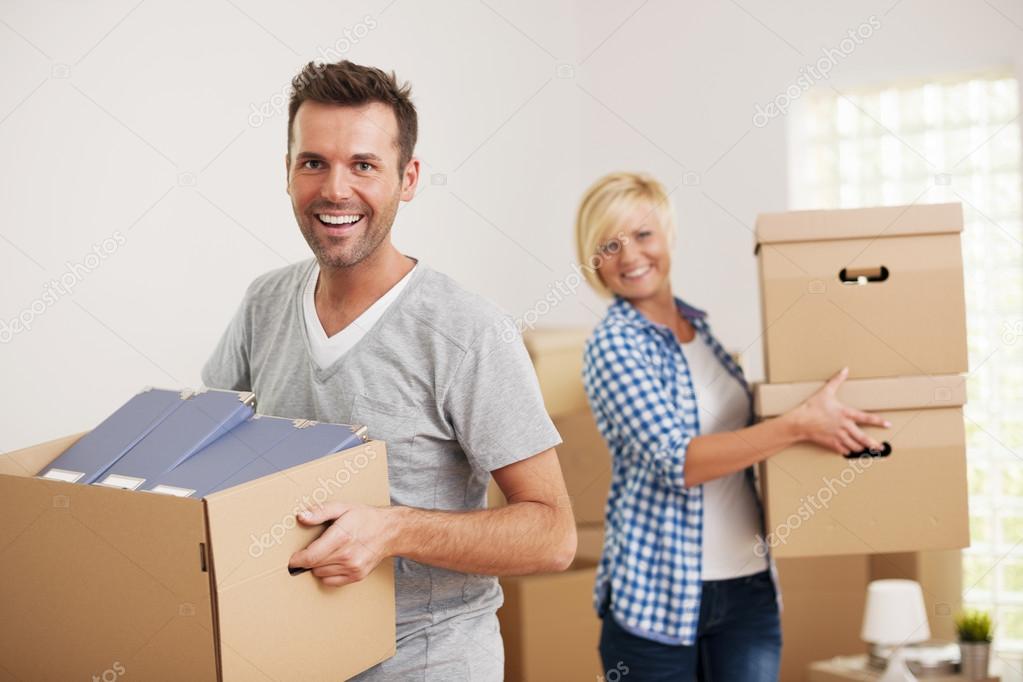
<point x="622" y="310"/>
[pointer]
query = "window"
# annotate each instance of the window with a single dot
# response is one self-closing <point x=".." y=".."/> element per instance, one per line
<point x="949" y="140"/>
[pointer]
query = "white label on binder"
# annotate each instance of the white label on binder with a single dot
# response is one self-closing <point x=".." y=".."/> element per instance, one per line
<point x="119" y="481"/>
<point x="63" y="475"/>
<point x="173" y="490"/>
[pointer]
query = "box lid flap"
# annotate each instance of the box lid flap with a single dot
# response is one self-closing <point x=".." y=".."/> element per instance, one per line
<point x="31" y="460"/>
<point x="890" y="393"/>
<point x="852" y="223"/>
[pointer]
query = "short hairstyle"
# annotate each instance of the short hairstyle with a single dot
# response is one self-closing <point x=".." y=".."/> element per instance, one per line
<point x="601" y="211"/>
<point x="348" y="84"/>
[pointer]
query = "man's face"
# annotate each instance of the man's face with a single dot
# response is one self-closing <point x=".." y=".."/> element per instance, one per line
<point x="344" y="181"/>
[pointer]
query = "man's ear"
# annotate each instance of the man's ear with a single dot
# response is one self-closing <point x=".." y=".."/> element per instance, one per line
<point x="410" y="179"/>
<point x="287" y="171"/>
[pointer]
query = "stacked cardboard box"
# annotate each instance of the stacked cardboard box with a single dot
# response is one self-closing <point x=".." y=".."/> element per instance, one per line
<point x="97" y="580"/>
<point x="548" y="622"/>
<point x="878" y="290"/>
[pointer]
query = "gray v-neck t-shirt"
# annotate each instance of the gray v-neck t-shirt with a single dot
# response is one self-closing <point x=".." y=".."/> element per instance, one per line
<point x="444" y="380"/>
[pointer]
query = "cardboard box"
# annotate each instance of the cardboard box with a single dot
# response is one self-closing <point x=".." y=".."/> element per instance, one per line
<point x="818" y="503"/>
<point x="550" y="627"/>
<point x="557" y="356"/>
<point x="837" y="588"/>
<point x="823" y="601"/>
<point x="903" y="312"/>
<point x="586" y="466"/>
<point x="156" y="587"/>
<point x="590" y="541"/>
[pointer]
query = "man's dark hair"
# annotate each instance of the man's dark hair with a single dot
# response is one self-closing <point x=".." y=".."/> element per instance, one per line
<point x="351" y="85"/>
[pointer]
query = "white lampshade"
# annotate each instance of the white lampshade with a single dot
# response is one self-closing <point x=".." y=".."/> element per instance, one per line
<point x="895" y="613"/>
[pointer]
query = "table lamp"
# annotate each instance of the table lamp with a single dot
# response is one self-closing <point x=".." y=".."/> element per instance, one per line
<point x="895" y="616"/>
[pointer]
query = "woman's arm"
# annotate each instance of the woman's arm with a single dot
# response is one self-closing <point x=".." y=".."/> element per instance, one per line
<point x="822" y="419"/>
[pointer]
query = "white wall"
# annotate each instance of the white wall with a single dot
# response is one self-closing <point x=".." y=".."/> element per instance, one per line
<point x="136" y="120"/>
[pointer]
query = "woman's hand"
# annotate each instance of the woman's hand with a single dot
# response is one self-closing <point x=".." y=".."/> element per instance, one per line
<point x="823" y="420"/>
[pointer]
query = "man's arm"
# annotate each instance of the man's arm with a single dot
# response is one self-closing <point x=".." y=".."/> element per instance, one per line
<point x="534" y="533"/>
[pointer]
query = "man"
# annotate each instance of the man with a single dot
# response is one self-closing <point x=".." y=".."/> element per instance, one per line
<point x="362" y="334"/>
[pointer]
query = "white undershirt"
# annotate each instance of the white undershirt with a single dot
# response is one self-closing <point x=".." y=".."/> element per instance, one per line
<point x="328" y="350"/>
<point x="730" y="518"/>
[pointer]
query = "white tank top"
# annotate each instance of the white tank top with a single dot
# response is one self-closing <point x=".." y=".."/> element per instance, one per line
<point x="730" y="519"/>
<point x="327" y="350"/>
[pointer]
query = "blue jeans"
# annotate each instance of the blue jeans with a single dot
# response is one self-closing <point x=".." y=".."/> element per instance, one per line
<point x="738" y="638"/>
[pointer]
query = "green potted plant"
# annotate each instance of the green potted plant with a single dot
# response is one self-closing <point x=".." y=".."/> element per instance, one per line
<point x="975" y="632"/>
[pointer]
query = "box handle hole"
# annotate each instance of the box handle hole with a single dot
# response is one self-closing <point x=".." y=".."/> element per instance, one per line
<point x="863" y="276"/>
<point x="886" y="449"/>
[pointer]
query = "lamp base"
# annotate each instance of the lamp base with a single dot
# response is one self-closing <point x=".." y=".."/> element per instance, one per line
<point x="897" y="670"/>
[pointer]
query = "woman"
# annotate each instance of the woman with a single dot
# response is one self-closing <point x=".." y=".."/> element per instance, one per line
<point x="685" y="585"/>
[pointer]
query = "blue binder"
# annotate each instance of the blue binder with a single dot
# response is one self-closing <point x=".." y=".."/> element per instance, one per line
<point x="308" y="441"/>
<point x="99" y="449"/>
<point x="198" y="421"/>
<point x="201" y="473"/>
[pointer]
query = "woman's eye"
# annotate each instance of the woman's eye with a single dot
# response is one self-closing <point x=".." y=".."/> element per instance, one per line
<point x="643" y="234"/>
<point x="611" y="247"/>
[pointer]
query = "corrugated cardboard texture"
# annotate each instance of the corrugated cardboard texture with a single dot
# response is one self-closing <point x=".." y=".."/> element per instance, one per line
<point x="549" y="626"/>
<point x="328" y="633"/>
<point x="823" y="600"/>
<point x="818" y="503"/>
<point x="591" y="542"/>
<point x="95" y="579"/>
<point x="913" y="322"/>
<point x="898" y="393"/>
<point x="585" y="464"/>
<point x="852" y="223"/>
<point x="557" y="356"/>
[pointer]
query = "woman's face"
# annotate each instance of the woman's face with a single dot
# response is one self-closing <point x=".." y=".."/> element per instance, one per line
<point x="635" y="260"/>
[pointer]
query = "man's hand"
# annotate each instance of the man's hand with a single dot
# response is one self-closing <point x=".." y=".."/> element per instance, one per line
<point x="533" y="533"/>
<point x="356" y="540"/>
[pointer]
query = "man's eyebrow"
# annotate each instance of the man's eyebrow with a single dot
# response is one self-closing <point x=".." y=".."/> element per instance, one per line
<point x="366" y="156"/>
<point x="361" y="156"/>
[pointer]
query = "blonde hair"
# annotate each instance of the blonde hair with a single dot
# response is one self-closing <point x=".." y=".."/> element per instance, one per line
<point x="601" y="210"/>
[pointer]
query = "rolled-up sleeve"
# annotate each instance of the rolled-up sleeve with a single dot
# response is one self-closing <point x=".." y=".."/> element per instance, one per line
<point x="633" y="406"/>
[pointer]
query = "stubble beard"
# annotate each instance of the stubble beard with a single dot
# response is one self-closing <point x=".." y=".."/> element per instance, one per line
<point x="345" y="252"/>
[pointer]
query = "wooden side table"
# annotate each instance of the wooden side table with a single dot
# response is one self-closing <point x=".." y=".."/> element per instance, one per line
<point x="856" y="669"/>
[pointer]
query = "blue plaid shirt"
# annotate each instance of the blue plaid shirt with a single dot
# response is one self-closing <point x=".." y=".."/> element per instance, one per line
<point x="642" y="396"/>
